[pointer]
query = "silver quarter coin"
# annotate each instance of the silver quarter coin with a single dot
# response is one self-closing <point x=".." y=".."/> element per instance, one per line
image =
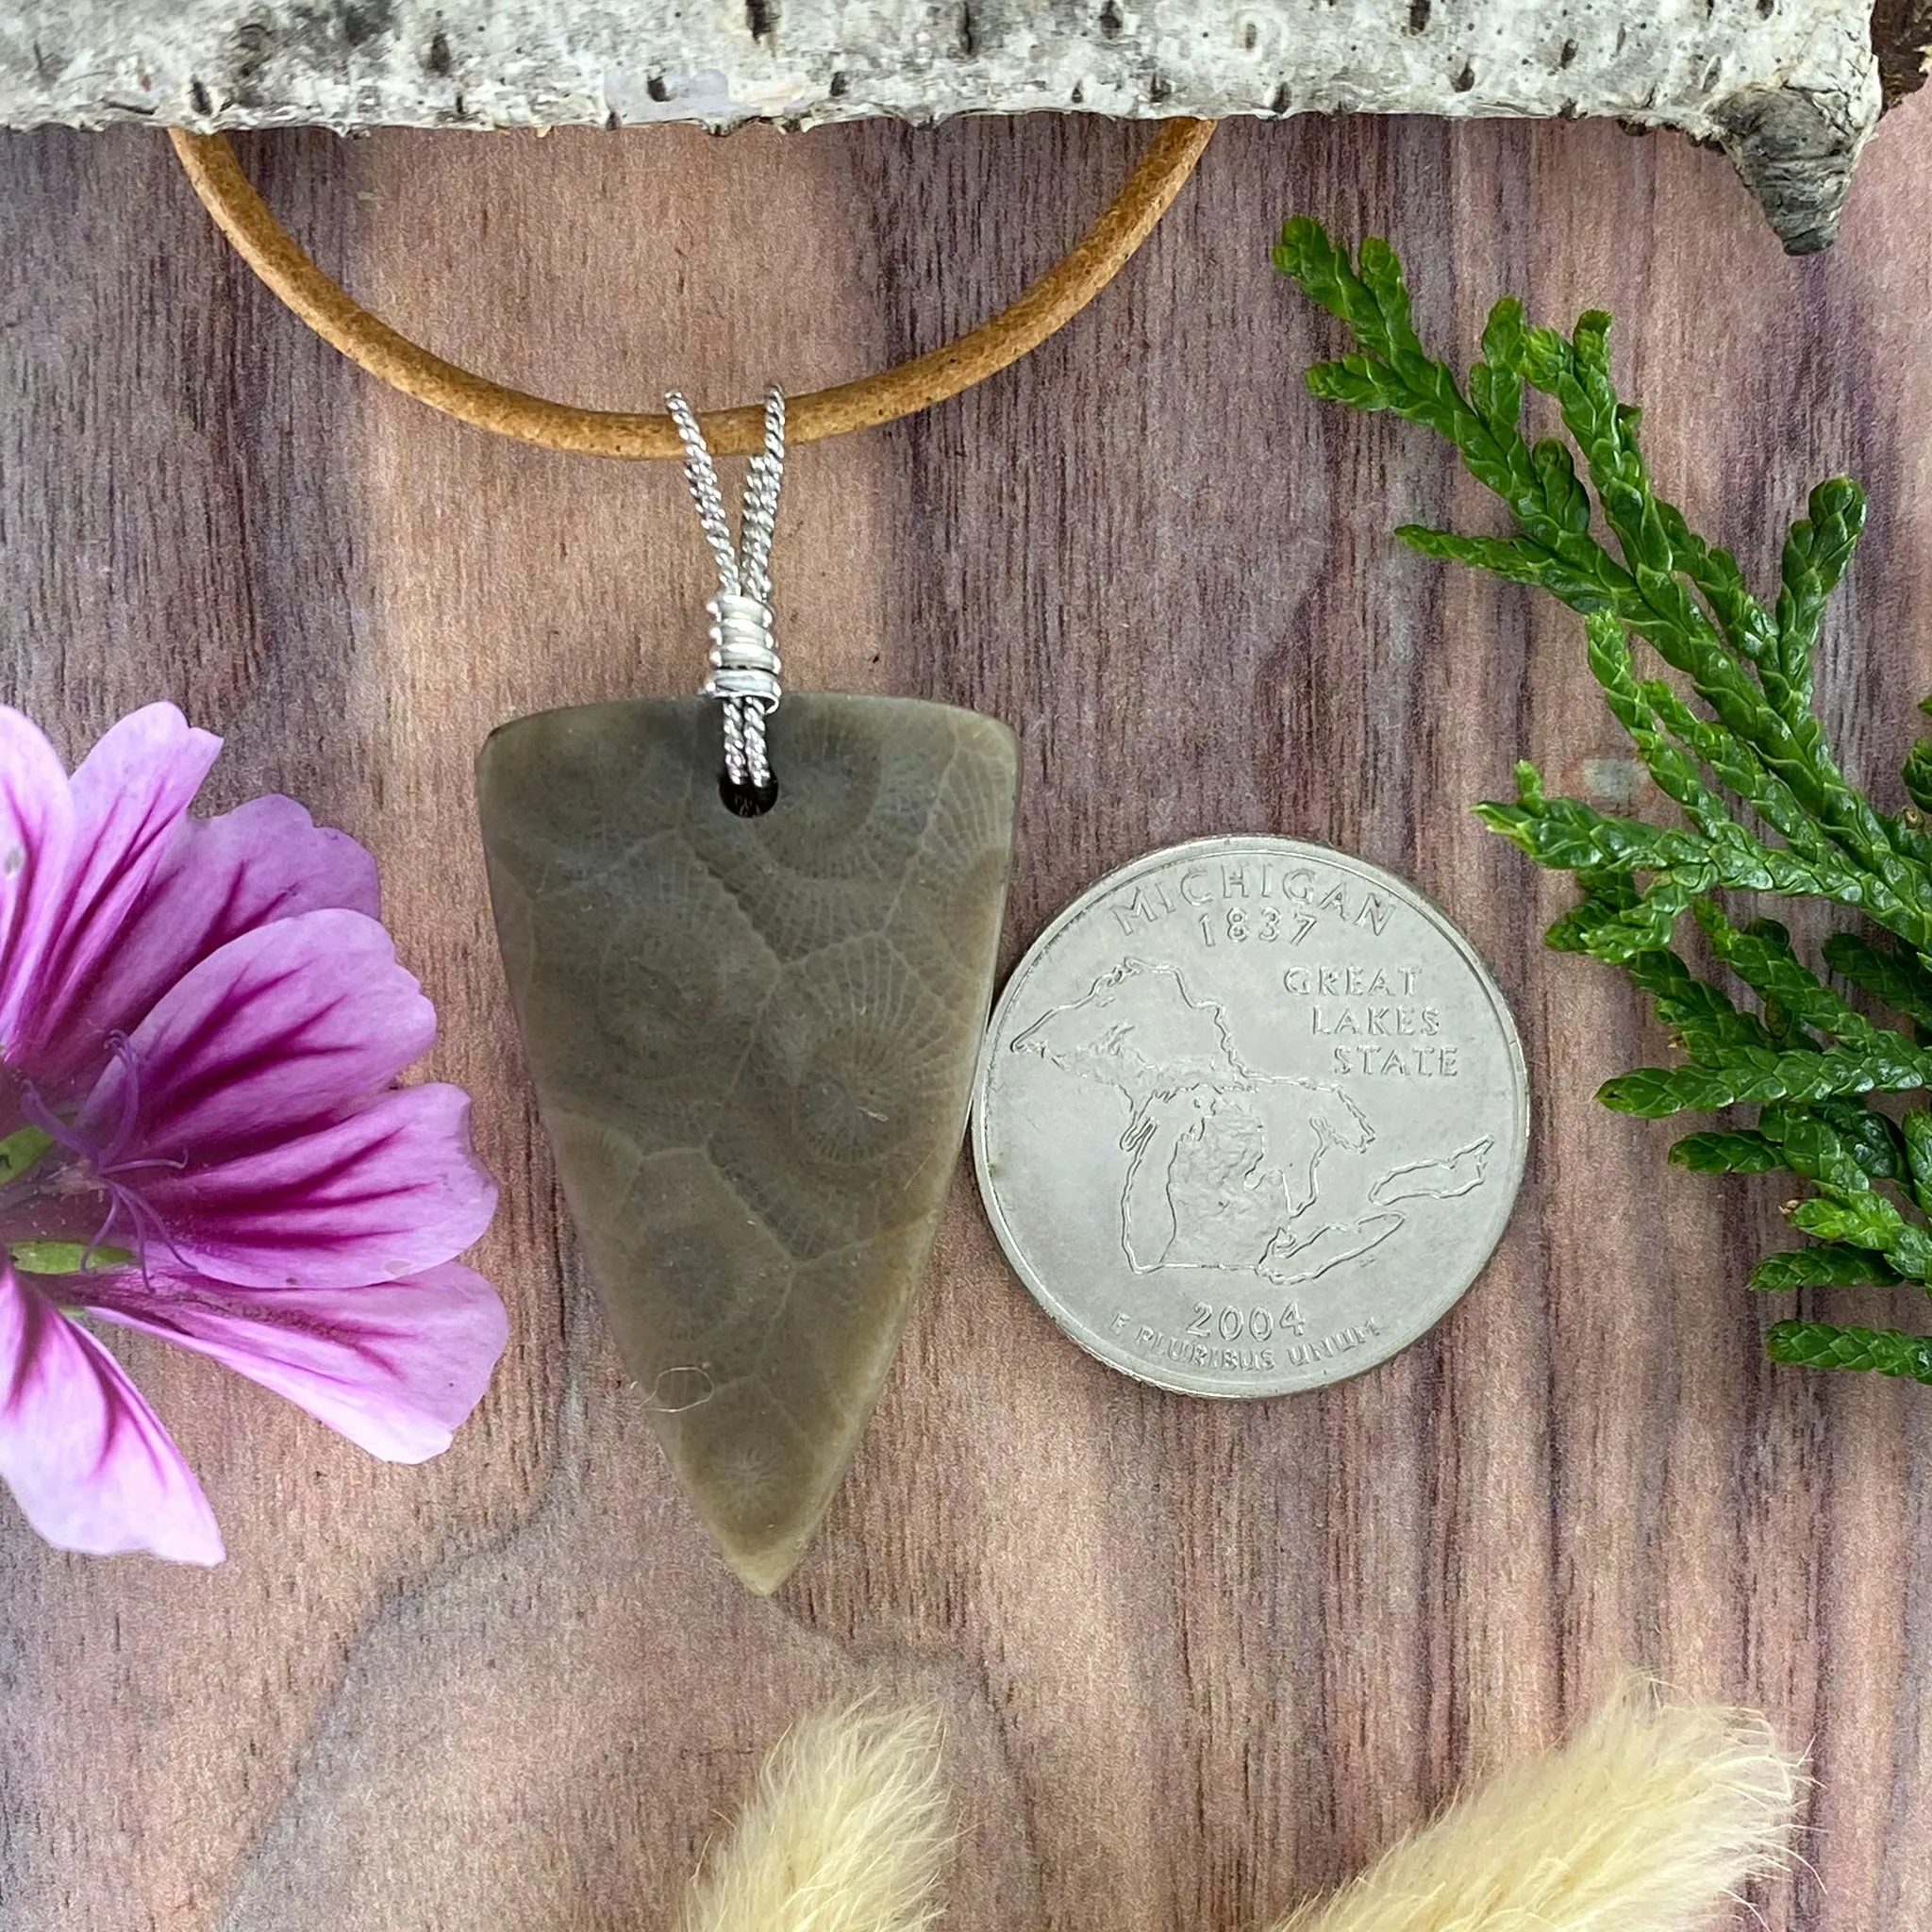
<point x="1250" y="1117"/>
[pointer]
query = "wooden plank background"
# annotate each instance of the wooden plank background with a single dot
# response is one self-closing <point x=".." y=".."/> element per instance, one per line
<point x="1199" y="1658"/>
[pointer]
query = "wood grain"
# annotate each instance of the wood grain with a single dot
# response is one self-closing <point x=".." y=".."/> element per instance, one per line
<point x="1198" y="1658"/>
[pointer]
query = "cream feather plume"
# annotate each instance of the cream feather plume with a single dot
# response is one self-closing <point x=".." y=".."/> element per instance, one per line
<point x="1647" y="1821"/>
<point x="845" y="1833"/>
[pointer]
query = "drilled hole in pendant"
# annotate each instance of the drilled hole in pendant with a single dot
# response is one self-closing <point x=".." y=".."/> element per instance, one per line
<point x="748" y="801"/>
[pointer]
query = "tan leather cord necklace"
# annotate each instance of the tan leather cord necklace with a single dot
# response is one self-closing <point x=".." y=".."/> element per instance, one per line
<point x="1052" y="301"/>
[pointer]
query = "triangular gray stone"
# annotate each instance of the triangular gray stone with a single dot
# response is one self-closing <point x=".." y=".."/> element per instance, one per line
<point x="753" y="1043"/>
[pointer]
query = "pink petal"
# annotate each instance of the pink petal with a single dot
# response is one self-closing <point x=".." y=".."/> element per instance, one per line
<point x="36" y="829"/>
<point x="129" y="796"/>
<point x="219" y="877"/>
<point x="394" y="1368"/>
<point x="284" y="1028"/>
<point x="385" y="1194"/>
<point x="87" y="1459"/>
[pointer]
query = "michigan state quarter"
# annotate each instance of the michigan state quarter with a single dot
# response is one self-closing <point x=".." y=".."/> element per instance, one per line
<point x="1250" y="1117"/>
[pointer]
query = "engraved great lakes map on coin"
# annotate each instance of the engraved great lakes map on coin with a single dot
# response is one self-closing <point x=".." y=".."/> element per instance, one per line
<point x="1251" y="1116"/>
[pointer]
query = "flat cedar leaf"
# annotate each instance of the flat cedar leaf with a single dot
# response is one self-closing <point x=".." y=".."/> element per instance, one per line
<point x="1699" y="1014"/>
<point x="1868" y="1223"/>
<point x="1896" y="977"/>
<point x="1520" y="560"/>
<point x="1814" y="1148"/>
<point x="1879" y="1351"/>
<point x="1573" y="932"/>
<point x="1354" y="380"/>
<point x="1826" y="1265"/>
<point x="1918" y="774"/>
<point x="1737" y="1153"/>
<point x="1613" y="887"/>
<point x="1545" y="359"/>
<point x="1643" y="929"/>
<point x="1867" y="1219"/>
<point x="1494" y="386"/>
<point x="1380" y="274"/>
<point x="1731" y="738"/>
<point x="1652" y="1092"/>
<point x="1574" y="837"/>
<point x="1513" y="557"/>
<point x="1871" y="1140"/>
<point x="1910" y="1253"/>
<point x="1759" y="1075"/>
<point x="1565" y="498"/>
<point x="1760" y="954"/>
<point x="1503" y="334"/>
<point x="1815" y="557"/>
<point x="1916" y="1132"/>
<point x="1317" y="267"/>
<point x="1746" y="624"/>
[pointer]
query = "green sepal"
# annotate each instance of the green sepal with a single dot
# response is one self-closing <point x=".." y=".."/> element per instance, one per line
<point x="67" y="1258"/>
<point x="20" y="1150"/>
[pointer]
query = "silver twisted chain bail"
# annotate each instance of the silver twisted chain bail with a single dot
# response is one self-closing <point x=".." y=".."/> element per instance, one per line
<point x="744" y="659"/>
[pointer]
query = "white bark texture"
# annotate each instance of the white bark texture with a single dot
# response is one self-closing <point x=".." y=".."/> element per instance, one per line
<point x="1789" y="88"/>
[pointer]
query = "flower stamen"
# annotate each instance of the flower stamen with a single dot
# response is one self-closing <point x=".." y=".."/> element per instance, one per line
<point x="105" y="1168"/>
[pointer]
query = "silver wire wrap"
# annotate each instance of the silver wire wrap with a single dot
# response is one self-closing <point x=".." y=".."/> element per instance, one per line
<point x="744" y="659"/>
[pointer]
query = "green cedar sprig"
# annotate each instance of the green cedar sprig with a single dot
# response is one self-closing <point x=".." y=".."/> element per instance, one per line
<point x="1738" y="747"/>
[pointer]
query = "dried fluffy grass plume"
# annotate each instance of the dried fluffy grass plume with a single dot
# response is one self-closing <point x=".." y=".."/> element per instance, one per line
<point x="1644" y="1823"/>
<point x="846" y="1832"/>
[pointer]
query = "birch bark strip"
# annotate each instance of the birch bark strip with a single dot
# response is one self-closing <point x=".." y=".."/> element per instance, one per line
<point x="1789" y="88"/>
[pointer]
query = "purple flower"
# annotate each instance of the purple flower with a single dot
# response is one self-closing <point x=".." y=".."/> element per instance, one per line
<point x="201" y="1022"/>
